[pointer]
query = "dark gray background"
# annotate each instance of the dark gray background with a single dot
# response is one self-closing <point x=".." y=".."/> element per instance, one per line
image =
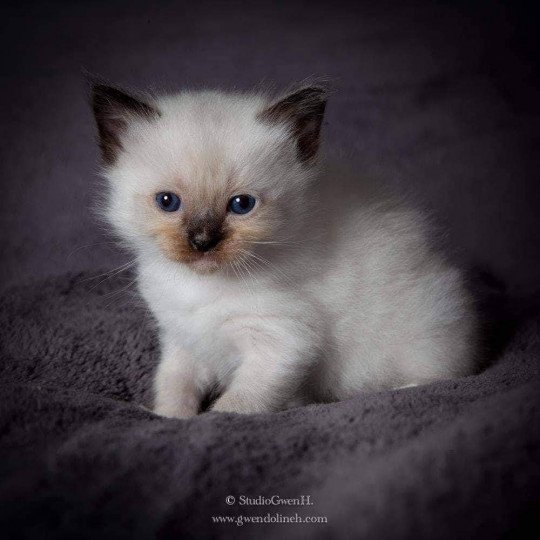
<point x="441" y="99"/>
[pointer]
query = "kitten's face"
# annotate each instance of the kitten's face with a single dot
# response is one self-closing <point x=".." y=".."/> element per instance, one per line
<point x="207" y="177"/>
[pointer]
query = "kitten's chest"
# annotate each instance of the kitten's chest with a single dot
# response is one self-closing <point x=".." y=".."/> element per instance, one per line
<point x="197" y="314"/>
<point x="186" y="307"/>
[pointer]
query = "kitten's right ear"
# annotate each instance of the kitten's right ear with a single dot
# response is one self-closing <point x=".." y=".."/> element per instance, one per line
<point x="113" y="110"/>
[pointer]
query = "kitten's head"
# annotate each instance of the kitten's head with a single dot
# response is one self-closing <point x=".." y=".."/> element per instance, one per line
<point x="206" y="177"/>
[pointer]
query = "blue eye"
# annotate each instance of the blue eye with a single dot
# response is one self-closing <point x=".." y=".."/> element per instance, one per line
<point x="241" y="204"/>
<point x="168" y="201"/>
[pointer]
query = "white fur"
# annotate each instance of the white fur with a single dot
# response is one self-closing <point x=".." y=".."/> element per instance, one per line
<point x="344" y="295"/>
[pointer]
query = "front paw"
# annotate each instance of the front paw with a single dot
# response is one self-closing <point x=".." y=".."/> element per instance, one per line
<point x="177" y="411"/>
<point x="239" y="404"/>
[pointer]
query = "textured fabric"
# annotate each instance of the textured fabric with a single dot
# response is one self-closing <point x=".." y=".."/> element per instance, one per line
<point x="441" y="101"/>
<point x="80" y="458"/>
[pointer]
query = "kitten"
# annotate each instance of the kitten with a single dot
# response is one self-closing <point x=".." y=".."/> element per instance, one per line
<point x="273" y="279"/>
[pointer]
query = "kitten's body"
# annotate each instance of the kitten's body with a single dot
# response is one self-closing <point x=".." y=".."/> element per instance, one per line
<point x="333" y="291"/>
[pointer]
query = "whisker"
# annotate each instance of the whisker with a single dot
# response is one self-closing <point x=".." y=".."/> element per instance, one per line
<point x="273" y="242"/>
<point x="112" y="272"/>
<point x="269" y="265"/>
<point x="79" y="248"/>
<point x="116" y="293"/>
<point x="109" y="276"/>
<point x="254" y="297"/>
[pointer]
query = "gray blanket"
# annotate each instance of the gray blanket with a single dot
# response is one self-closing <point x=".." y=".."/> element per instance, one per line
<point x="79" y="456"/>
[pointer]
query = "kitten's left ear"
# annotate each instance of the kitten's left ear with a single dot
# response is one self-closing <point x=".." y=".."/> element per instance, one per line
<point x="113" y="109"/>
<point x="303" y="110"/>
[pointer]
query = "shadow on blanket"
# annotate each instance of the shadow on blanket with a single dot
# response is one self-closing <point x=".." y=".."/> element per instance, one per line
<point x="80" y="458"/>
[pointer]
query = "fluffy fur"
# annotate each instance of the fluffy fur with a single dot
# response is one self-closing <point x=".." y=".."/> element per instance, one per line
<point x="325" y="289"/>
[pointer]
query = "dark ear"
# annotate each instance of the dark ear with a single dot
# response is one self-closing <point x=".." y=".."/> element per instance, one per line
<point x="113" y="110"/>
<point x="303" y="110"/>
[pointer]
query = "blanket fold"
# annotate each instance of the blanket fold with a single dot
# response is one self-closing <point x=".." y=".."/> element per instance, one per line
<point x="80" y="456"/>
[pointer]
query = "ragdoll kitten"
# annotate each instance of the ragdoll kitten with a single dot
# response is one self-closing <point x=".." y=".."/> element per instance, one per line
<point x="274" y="280"/>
